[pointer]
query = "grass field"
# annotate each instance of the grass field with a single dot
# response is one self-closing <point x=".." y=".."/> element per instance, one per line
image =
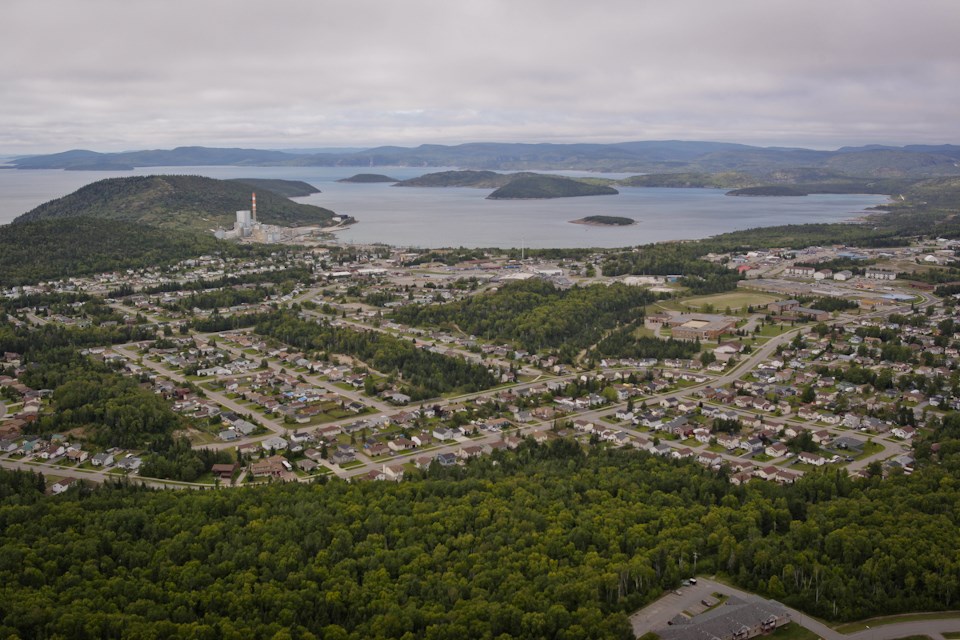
<point x="736" y="300"/>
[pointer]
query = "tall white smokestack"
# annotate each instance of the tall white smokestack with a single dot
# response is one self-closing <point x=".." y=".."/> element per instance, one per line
<point x="253" y="206"/>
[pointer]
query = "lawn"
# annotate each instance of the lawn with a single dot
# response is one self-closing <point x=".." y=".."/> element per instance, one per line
<point x="793" y="631"/>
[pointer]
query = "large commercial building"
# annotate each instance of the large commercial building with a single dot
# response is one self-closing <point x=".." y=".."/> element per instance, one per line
<point x="693" y="326"/>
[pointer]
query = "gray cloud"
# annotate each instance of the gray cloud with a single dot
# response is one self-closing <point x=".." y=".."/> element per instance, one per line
<point x="115" y="74"/>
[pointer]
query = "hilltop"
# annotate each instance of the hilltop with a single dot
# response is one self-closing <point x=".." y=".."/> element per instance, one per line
<point x="184" y="203"/>
<point x="537" y="187"/>
<point x="366" y="178"/>
<point x="464" y="178"/>
<point x="286" y="188"/>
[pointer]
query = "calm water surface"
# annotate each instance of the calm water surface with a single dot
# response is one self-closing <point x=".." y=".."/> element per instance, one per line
<point x="426" y="217"/>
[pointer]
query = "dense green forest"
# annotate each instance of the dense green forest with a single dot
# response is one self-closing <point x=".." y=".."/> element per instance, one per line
<point x="624" y="343"/>
<point x="537" y="315"/>
<point x="544" y="542"/>
<point x="477" y="179"/>
<point x="285" y="188"/>
<point x="420" y="373"/>
<point x="31" y="252"/>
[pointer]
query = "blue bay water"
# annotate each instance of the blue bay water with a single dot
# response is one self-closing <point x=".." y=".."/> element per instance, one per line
<point x="450" y="217"/>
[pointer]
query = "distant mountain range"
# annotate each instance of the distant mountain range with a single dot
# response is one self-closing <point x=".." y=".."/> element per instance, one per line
<point x="669" y="156"/>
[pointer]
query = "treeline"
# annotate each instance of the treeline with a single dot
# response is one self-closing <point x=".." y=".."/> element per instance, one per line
<point x="536" y="315"/>
<point x="624" y="343"/>
<point x="33" y="300"/>
<point x="181" y="461"/>
<point x="828" y="303"/>
<point x="449" y="257"/>
<point x="544" y="542"/>
<point x="420" y="373"/>
<point x="38" y="342"/>
<point x="222" y="298"/>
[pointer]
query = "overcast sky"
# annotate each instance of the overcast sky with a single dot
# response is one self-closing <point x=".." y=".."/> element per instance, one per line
<point x="111" y="75"/>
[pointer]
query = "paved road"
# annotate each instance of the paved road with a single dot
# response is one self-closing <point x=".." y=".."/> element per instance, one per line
<point x="93" y="475"/>
<point x="220" y="398"/>
<point x="657" y="614"/>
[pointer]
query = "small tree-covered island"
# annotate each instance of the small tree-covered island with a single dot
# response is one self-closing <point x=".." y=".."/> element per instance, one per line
<point x="217" y="421"/>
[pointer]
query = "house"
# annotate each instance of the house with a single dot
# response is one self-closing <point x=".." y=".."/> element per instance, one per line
<point x="224" y="471"/>
<point x="822" y="437"/>
<point x="682" y="453"/>
<point x="307" y="465"/>
<point x="811" y="458"/>
<point x="447" y="459"/>
<point x="399" y="398"/>
<point x="392" y="473"/>
<point x="77" y="455"/>
<point x="273" y="466"/>
<point x="131" y="463"/>
<point x="400" y="444"/>
<point x="62" y="485"/>
<point x="275" y="443"/>
<point x="104" y="459"/>
<point x="904" y="432"/>
<point x="710" y="459"/>
<point x="776" y="450"/>
<point x="444" y="433"/>
<point x="344" y="454"/>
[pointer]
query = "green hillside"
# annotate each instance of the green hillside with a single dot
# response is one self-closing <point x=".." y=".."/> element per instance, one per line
<point x="286" y="188"/>
<point x="726" y="180"/>
<point x="187" y="203"/>
<point x="478" y="179"/>
<point x="538" y="186"/>
<point x="364" y="178"/>
<point x="769" y="190"/>
<point x="50" y="249"/>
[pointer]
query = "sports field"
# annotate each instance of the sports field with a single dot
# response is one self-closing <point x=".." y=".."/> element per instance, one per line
<point x="736" y="300"/>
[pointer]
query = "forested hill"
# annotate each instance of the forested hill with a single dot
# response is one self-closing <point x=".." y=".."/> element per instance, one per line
<point x="189" y="203"/>
<point x="539" y="186"/>
<point x="465" y="178"/>
<point x="50" y="249"/>
<point x="286" y="188"/>
<point x="544" y="542"/>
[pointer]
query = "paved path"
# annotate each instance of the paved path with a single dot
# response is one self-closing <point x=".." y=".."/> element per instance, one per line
<point x="657" y="614"/>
